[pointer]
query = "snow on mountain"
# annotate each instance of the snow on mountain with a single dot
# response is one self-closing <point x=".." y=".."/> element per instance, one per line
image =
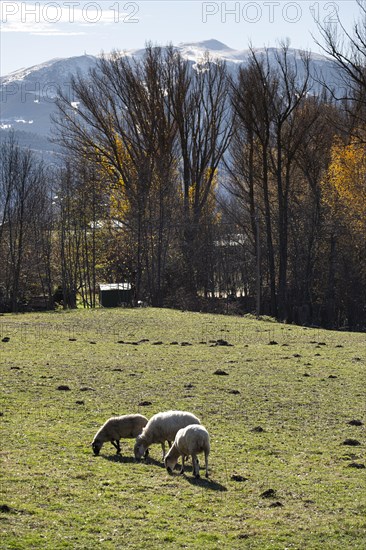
<point x="212" y="45"/>
<point x="53" y="70"/>
<point x="195" y="51"/>
<point x="28" y="94"/>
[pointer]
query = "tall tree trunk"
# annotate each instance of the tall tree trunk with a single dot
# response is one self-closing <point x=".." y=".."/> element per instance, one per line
<point x="282" y="233"/>
<point x="269" y="238"/>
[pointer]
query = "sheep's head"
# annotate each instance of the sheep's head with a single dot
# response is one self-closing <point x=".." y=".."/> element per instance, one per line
<point x="96" y="446"/>
<point x="170" y="463"/>
<point x="139" y="449"/>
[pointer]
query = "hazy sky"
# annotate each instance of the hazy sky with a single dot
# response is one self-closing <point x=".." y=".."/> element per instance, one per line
<point x="33" y="32"/>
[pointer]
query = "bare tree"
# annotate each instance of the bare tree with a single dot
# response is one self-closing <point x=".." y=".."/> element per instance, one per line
<point x="23" y="191"/>
<point x="252" y="103"/>
<point x="136" y="118"/>
<point x="200" y="109"/>
<point x="269" y="101"/>
<point x="124" y="125"/>
<point x="348" y="49"/>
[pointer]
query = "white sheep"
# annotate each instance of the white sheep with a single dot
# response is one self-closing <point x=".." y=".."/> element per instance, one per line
<point x="127" y="426"/>
<point x="162" y="427"/>
<point x="189" y="441"/>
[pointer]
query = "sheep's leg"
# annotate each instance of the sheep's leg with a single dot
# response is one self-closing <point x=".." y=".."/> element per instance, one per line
<point x="182" y="468"/>
<point x="206" y="463"/>
<point x="163" y="448"/>
<point x="196" y="466"/>
<point x="117" y="446"/>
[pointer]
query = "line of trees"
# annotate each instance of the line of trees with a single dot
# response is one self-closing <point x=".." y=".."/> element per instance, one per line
<point x="25" y="225"/>
<point x="199" y="184"/>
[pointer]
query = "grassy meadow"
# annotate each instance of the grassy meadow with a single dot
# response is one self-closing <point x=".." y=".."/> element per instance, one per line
<point x="287" y="462"/>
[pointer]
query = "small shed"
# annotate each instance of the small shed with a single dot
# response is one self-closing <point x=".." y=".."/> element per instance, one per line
<point x="114" y="295"/>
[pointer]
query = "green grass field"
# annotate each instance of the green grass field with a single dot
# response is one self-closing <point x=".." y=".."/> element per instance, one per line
<point x="281" y="473"/>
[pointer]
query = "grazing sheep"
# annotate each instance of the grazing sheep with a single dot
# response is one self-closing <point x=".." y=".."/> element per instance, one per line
<point x="189" y="441"/>
<point x="162" y="427"/>
<point x="127" y="426"/>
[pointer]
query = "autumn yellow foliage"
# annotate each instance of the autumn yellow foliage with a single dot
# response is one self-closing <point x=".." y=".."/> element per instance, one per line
<point x="119" y="203"/>
<point x="344" y="188"/>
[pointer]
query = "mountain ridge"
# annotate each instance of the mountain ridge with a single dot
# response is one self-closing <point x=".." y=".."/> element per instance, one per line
<point x="28" y="94"/>
<point x="215" y="47"/>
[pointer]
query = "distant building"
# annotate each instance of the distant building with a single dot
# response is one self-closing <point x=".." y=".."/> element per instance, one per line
<point x="115" y="294"/>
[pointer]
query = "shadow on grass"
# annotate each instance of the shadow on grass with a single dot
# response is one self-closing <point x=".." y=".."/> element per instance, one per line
<point x="131" y="460"/>
<point x="205" y="483"/>
<point x="201" y="482"/>
<point x="119" y="458"/>
<point x="152" y="462"/>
